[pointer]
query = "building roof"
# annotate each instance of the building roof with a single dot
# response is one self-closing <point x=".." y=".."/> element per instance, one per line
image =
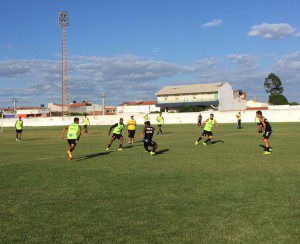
<point x="139" y="103"/>
<point x="190" y="89"/>
<point x="82" y="104"/>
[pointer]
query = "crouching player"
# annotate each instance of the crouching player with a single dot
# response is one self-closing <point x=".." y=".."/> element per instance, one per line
<point x="148" y="132"/>
<point x="73" y="136"/>
<point x="267" y="132"/>
<point x="209" y="123"/>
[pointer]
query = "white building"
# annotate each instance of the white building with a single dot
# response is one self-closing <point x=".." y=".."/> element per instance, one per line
<point x="218" y="95"/>
<point x="144" y="107"/>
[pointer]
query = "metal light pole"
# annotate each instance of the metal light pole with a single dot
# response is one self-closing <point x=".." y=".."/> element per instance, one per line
<point x="103" y="102"/>
<point x="14" y="104"/>
<point x="63" y="19"/>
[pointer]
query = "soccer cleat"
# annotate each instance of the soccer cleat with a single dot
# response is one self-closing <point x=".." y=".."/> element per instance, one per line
<point x="152" y="153"/>
<point x="196" y="143"/>
<point x="266" y="153"/>
<point x="70" y="156"/>
<point x="120" y="149"/>
<point x="17" y="139"/>
<point x="204" y="143"/>
<point x="107" y="149"/>
<point x="270" y="149"/>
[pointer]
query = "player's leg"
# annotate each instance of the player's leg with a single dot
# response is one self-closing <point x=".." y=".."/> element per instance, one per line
<point x="267" y="147"/>
<point x="209" y="139"/>
<point x="20" y="135"/>
<point x="72" y="145"/>
<point x="17" y="135"/>
<point x="154" y="146"/>
<point x="110" y="142"/>
<point x="200" y="138"/>
<point x="121" y="143"/>
<point x="146" y="145"/>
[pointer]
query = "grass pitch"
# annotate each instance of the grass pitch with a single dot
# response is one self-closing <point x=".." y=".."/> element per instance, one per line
<point x="225" y="192"/>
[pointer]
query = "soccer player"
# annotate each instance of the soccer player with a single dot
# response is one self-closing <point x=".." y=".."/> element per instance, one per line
<point x="146" y="117"/>
<point x="209" y="123"/>
<point x="148" y="132"/>
<point x="85" y="122"/>
<point x="199" y="120"/>
<point x="19" y="129"/>
<point x="73" y="136"/>
<point x="239" y="120"/>
<point x="131" y="123"/>
<point x="267" y="132"/>
<point x="117" y="134"/>
<point x="160" y="121"/>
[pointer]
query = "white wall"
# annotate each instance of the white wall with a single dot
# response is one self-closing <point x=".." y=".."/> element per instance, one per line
<point x="170" y="118"/>
<point x="137" y="109"/>
<point x="226" y="101"/>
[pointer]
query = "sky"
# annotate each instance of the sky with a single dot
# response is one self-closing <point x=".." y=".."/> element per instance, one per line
<point x="130" y="49"/>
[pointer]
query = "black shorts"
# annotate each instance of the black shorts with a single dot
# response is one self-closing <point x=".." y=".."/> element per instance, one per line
<point x="150" y="143"/>
<point x="131" y="133"/>
<point x="267" y="134"/>
<point x="85" y="126"/>
<point x="19" y="131"/>
<point x="72" y="141"/>
<point x="117" y="136"/>
<point x="159" y="125"/>
<point x="207" y="133"/>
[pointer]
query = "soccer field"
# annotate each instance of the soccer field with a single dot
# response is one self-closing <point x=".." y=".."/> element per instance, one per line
<point x="226" y="191"/>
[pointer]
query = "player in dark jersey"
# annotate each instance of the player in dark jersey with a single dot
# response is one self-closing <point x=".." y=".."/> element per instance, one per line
<point x="267" y="132"/>
<point x="148" y="132"/>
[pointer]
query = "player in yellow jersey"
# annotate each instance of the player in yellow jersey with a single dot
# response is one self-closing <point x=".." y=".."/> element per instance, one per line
<point x="239" y="120"/>
<point x="208" y="124"/>
<point x="131" y="124"/>
<point x="160" y="121"/>
<point x="73" y="136"/>
<point x="19" y="129"/>
<point x="117" y="134"/>
<point x="85" y="122"/>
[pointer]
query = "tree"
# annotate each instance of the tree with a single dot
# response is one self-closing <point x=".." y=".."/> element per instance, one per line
<point x="273" y="86"/>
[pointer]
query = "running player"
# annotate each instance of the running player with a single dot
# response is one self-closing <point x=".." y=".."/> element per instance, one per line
<point x="267" y="132"/>
<point x="131" y="123"/>
<point x="160" y="121"/>
<point x="85" y="122"/>
<point x="199" y="119"/>
<point x="117" y="134"/>
<point x="19" y="129"/>
<point x="73" y="136"/>
<point x="148" y="132"/>
<point x="209" y="123"/>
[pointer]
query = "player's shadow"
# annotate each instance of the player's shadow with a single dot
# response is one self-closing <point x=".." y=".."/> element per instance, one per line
<point x="134" y="145"/>
<point x="218" y="141"/>
<point x="162" y="151"/>
<point x="261" y="145"/>
<point x="168" y="132"/>
<point x="32" y="139"/>
<point x="92" y="155"/>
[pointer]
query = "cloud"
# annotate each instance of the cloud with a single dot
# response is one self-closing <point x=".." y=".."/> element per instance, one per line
<point x="129" y="77"/>
<point x="213" y="23"/>
<point x="272" y="31"/>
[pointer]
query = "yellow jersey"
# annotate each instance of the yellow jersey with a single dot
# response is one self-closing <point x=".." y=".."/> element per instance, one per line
<point x="131" y="124"/>
<point x="238" y="116"/>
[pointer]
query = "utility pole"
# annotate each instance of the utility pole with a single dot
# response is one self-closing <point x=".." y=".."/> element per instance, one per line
<point x="103" y="102"/>
<point x="14" y="104"/>
<point x="63" y="19"/>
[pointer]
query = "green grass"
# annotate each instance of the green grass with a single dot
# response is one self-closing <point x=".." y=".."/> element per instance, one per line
<point x="225" y="192"/>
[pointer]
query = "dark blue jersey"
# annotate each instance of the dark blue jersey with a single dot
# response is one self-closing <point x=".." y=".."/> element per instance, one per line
<point x="149" y="131"/>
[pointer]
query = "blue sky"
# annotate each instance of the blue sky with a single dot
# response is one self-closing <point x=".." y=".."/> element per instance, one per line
<point x="130" y="49"/>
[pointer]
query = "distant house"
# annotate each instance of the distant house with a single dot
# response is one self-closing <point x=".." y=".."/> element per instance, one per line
<point x="138" y="107"/>
<point x="219" y="95"/>
<point x="25" y="112"/>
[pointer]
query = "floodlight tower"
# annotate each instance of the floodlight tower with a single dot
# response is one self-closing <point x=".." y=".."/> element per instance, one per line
<point x="63" y="19"/>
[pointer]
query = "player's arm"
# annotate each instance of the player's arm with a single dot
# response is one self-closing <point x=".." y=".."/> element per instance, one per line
<point x="113" y="126"/>
<point x="217" y="125"/>
<point x="204" y="122"/>
<point x="263" y="123"/>
<point x="63" y="132"/>
<point x="79" y="133"/>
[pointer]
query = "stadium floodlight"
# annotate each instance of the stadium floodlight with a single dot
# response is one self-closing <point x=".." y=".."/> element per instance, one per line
<point x="63" y="20"/>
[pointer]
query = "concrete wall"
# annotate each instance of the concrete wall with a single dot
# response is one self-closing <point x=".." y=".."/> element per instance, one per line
<point x="170" y="118"/>
<point x="226" y="101"/>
